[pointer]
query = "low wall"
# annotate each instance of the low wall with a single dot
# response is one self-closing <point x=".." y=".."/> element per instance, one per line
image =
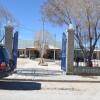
<point x="86" y="71"/>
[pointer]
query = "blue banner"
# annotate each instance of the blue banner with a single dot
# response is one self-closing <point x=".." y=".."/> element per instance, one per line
<point x="63" y="52"/>
<point x="15" y="47"/>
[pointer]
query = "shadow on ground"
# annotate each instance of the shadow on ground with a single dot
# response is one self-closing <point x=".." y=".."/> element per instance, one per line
<point x="6" y="85"/>
<point x="37" y="72"/>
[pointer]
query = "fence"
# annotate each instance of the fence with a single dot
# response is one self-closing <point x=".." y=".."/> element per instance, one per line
<point x="79" y="59"/>
<point x="81" y="64"/>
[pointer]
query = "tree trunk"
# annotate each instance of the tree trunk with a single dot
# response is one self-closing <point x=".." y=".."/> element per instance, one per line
<point x="89" y="62"/>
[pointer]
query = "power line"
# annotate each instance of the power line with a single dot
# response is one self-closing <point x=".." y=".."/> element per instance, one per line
<point x="25" y="28"/>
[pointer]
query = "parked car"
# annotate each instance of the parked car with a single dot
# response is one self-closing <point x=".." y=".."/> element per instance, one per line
<point x="33" y="56"/>
<point x="7" y="65"/>
<point x="22" y="56"/>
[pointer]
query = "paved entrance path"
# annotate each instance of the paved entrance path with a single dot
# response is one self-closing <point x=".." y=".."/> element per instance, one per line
<point x="30" y="70"/>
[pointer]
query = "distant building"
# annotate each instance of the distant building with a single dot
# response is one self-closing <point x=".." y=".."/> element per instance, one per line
<point x="30" y="49"/>
<point x="96" y="54"/>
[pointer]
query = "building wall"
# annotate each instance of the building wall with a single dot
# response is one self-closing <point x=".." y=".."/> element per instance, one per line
<point x="34" y="53"/>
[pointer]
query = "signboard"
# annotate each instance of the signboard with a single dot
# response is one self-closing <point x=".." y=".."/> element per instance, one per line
<point x="63" y="52"/>
<point x="15" y="47"/>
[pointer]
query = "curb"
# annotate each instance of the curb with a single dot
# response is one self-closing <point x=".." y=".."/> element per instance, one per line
<point x="57" y="81"/>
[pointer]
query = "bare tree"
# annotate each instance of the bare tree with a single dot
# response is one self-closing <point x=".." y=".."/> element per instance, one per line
<point x="42" y="41"/>
<point x="5" y="17"/>
<point x="83" y="14"/>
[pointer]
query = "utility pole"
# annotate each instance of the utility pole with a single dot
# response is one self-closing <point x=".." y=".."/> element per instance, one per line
<point x="42" y="39"/>
<point x="42" y="62"/>
<point x="42" y="42"/>
<point x="55" y="47"/>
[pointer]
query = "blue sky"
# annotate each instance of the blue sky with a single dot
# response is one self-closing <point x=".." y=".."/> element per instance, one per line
<point x="27" y="12"/>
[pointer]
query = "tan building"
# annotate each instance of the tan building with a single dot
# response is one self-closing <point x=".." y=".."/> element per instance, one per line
<point x="32" y="52"/>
